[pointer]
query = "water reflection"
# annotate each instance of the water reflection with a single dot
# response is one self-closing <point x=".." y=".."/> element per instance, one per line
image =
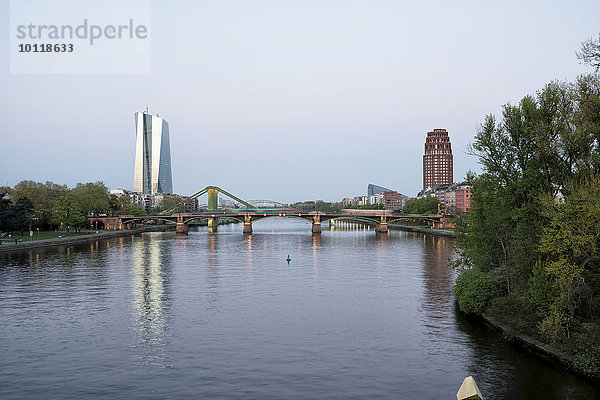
<point x="316" y="243"/>
<point x="248" y="247"/>
<point x="437" y="277"/>
<point x="213" y="268"/>
<point x="149" y="299"/>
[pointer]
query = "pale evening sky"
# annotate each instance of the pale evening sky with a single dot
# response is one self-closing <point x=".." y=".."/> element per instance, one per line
<point x="293" y="100"/>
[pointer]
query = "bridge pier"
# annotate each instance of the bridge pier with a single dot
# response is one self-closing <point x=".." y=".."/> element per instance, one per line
<point x="212" y="224"/>
<point x="182" y="228"/>
<point x="381" y="228"/>
<point x="247" y="224"/>
<point x="316" y="227"/>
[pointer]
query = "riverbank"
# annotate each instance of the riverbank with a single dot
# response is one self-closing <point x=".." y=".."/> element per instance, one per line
<point x="429" y="231"/>
<point x="26" y="245"/>
<point x="534" y="346"/>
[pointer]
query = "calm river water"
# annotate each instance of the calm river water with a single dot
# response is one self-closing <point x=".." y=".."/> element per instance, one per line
<point x="354" y="315"/>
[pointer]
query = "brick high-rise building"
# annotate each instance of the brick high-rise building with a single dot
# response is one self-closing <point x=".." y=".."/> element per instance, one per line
<point x="437" y="160"/>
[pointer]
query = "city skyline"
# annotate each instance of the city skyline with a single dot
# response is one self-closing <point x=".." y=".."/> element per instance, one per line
<point x="341" y="96"/>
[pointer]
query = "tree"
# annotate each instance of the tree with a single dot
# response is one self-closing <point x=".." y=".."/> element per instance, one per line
<point x="538" y="146"/>
<point x="170" y="201"/>
<point x="590" y="52"/>
<point x="424" y="205"/>
<point x="93" y="198"/>
<point x="23" y="212"/>
<point x="538" y="256"/>
<point x="378" y="206"/>
<point x="571" y="240"/>
<point x="44" y="197"/>
<point x="317" y="205"/>
<point x="134" y="209"/>
<point x="5" y="202"/>
<point x="68" y="212"/>
<point x="118" y="204"/>
<point x="15" y="216"/>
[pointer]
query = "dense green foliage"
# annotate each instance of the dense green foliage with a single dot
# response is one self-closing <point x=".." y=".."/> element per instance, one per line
<point x="366" y="207"/>
<point x="170" y="201"/>
<point x="473" y="290"/>
<point x="318" y="205"/>
<point x="49" y="206"/>
<point x="424" y="205"/>
<point x="15" y="216"/>
<point x="533" y="229"/>
<point x="134" y="209"/>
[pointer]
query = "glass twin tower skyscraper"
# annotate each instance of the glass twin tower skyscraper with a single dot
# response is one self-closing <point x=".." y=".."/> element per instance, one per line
<point x="152" y="155"/>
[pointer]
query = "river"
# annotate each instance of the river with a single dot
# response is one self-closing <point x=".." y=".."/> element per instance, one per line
<point x="354" y="315"/>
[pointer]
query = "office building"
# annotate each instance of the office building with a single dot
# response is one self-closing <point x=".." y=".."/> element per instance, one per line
<point x="152" y="155"/>
<point x="375" y="189"/>
<point x="437" y="160"/>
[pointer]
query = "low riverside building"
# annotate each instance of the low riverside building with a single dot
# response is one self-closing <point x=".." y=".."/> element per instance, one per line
<point x="461" y="196"/>
<point x="376" y="199"/>
<point x="392" y="200"/>
<point x="452" y="198"/>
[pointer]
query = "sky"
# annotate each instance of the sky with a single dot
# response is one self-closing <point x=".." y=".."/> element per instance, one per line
<point x="292" y="100"/>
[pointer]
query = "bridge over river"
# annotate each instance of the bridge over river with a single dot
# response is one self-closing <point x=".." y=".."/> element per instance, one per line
<point x="378" y="218"/>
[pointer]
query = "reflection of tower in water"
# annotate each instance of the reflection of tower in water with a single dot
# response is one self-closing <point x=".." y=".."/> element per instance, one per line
<point x="213" y="268"/>
<point x="148" y="285"/>
<point x="437" y="276"/>
<point x="248" y="245"/>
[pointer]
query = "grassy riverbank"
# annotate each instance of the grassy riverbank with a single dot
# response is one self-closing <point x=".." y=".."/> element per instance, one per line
<point x="61" y="238"/>
<point x="422" y="229"/>
<point x="44" y="235"/>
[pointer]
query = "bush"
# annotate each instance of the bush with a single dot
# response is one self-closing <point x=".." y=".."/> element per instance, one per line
<point x="473" y="290"/>
<point x="515" y="311"/>
<point x="587" y="355"/>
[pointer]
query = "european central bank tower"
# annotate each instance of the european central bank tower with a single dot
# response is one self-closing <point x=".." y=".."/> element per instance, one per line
<point x="152" y="155"/>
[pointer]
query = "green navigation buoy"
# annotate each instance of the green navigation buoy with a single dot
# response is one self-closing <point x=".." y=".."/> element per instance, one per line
<point x="288" y="259"/>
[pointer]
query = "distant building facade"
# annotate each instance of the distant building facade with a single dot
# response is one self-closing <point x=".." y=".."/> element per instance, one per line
<point x="191" y="205"/>
<point x="376" y="199"/>
<point x="392" y="200"/>
<point x="459" y="197"/>
<point x="152" y="155"/>
<point x="438" y="159"/>
<point x="377" y="195"/>
<point x="453" y="198"/>
<point x="374" y="189"/>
